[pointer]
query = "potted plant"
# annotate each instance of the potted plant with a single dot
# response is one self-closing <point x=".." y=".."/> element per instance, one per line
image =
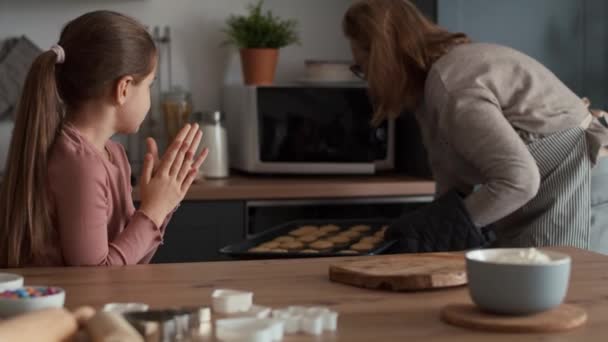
<point x="259" y="36"/>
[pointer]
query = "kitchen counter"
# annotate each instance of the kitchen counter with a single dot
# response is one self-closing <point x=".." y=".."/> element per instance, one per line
<point x="365" y="315"/>
<point x="248" y="187"/>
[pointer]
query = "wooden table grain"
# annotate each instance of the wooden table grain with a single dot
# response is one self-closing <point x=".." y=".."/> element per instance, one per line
<point x="365" y="315"/>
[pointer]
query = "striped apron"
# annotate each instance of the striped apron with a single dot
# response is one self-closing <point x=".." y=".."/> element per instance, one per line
<point x="559" y="215"/>
<point x="599" y="207"/>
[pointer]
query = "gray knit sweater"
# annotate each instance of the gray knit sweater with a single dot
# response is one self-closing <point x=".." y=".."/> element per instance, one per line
<point x="483" y="103"/>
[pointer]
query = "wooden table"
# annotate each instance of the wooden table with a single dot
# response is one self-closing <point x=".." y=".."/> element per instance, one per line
<point x="365" y="315"/>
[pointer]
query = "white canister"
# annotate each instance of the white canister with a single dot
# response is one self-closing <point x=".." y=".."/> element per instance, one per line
<point x="215" y="139"/>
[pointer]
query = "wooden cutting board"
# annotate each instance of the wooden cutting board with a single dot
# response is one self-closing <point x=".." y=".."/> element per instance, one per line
<point x="402" y="272"/>
<point x="565" y="317"/>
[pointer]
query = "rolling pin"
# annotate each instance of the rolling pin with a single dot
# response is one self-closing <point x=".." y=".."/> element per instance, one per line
<point x="111" y="327"/>
<point x="49" y="325"/>
<point x="83" y="314"/>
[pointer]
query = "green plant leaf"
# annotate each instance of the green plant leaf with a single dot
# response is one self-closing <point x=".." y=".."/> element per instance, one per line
<point x="260" y="30"/>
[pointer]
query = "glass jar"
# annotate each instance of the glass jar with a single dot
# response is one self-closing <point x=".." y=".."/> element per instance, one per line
<point x="177" y="108"/>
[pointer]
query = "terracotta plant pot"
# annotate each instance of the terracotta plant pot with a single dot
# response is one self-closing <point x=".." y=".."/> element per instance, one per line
<point x="259" y="65"/>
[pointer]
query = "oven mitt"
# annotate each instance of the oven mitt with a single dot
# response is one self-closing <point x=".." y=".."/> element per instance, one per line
<point x="441" y="226"/>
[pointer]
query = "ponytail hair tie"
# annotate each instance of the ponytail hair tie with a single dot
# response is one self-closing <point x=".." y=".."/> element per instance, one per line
<point x="60" y="52"/>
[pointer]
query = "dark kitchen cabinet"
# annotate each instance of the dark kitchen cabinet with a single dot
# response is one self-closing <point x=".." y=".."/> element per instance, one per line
<point x="199" y="229"/>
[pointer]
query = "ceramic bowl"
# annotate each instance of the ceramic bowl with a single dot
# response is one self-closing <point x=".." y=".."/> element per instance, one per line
<point x="520" y="287"/>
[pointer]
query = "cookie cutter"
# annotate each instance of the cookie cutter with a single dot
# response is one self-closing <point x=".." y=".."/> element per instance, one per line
<point x="249" y="329"/>
<point x="231" y="301"/>
<point x="170" y="325"/>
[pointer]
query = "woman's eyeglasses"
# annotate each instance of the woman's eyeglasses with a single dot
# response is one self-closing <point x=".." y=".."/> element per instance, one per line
<point x="357" y="71"/>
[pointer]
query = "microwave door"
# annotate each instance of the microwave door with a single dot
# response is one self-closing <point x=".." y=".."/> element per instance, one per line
<point x="311" y="126"/>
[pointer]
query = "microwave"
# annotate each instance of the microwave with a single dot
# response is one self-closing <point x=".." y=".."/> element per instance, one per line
<point x="304" y="129"/>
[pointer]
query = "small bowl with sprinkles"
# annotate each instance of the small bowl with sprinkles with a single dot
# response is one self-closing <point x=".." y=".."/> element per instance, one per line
<point x="30" y="298"/>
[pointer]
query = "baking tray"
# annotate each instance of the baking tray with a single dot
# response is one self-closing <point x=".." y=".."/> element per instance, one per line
<point x="241" y="250"/>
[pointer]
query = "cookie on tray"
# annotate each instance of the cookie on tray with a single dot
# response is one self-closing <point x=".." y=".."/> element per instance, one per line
<point x="278" y="250"/>
<point x="340" y="240"/>
<point x="322" y="245"/>
<point x="362" y="247"/>
<point x="348" y="252"/>
<point x="293" y="246"/>
<point x="308" y="238"/>
<point x="285" y="238"/>
<point x="361" y="228"/>
<point x="259" y="250"/>
<point x="321" y="234"/>
<point x="304" y="230"/>
<point x="309" y="251"/>
<point x="329" y="228"/>
<point x="374" y="240"/>
<point x="351" y="234"/>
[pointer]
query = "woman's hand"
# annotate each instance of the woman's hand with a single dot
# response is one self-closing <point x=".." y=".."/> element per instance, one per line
<point x="163" y="187"/>
<point x="598" y="113"/>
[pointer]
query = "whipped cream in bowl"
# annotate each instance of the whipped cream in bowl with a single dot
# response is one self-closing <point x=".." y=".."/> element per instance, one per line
<point x="517" y="256"/>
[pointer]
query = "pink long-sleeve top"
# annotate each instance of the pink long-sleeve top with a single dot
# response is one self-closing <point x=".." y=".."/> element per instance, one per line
<point x="92" y="208"/>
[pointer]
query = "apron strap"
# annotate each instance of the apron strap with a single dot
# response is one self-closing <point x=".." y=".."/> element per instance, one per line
<point x="586" y="122"/>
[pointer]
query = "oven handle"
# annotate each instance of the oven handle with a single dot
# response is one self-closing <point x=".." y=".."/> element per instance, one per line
<point x="340" y="201"/>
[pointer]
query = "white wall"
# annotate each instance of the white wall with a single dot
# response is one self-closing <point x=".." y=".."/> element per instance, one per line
<point x="199" y="62"/>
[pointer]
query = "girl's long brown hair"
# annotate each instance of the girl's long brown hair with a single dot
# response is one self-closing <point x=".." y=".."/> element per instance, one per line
<point x="402" y="45"/>
<point x="100" y="48"/>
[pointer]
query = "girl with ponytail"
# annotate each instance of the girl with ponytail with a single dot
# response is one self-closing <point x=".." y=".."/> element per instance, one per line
<point x="66" y="195"/>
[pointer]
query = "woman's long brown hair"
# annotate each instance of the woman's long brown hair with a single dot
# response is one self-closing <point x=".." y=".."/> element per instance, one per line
<point x="100" y="48"/>
<point x="402" y="45"/>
